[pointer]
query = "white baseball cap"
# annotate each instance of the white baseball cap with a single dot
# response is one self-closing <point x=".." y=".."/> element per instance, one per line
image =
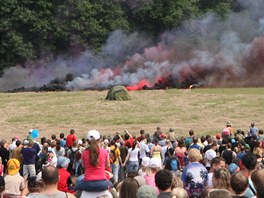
<point x="93" y="134"/>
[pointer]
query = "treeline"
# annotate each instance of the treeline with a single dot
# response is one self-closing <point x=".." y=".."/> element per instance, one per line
<point x="31" y="29"/>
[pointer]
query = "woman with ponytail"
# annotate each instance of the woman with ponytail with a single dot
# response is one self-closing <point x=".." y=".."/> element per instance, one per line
<point x="131" y="161"/>
<point x="94" y="161"/>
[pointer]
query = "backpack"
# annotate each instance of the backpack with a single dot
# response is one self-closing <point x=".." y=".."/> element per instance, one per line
<point x="112" y="155"/>
<point x="174" y="165"/>
<point x="72" y="157"/>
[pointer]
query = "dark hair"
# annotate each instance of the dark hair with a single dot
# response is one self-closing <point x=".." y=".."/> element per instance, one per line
<point x="18" y="143"/>
<point x="191" y="132"/>
<point x="72" y="131"/>
<point x="217" y="160"/>
<point x="61" y="135"/>
<point x="239" y="182"/>
<point x="142" y="131"/>
<point x="50" y="175"/>
<point x="163" y="179"/>
<point x="249" y="160"/>
<point x="58" y="145"/>
<point x="129" y="188"/>
<point x="134" y="145"/>
<point x="53" y="136"/>
<point x="94" y="152"/>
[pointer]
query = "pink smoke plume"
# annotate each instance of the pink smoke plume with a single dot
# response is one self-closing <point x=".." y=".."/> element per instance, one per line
<point x="204" y="51"/>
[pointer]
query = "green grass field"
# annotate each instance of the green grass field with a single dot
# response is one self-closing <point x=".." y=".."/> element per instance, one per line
<point x="204" y="110"/>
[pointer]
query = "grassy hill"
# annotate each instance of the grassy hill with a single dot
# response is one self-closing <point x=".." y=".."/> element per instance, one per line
<point x="204" y="110"/>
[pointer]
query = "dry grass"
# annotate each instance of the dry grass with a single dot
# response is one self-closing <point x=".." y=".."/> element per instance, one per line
<point x="205" y="110"/>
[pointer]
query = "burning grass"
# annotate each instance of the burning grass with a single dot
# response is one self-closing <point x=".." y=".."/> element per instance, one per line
<point x="205" y="110"/>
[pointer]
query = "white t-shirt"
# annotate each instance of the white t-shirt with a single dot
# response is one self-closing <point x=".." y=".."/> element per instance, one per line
<point x="143" y="149"/>
<point x="133" y="154"/>
<point x="209" y="155"/>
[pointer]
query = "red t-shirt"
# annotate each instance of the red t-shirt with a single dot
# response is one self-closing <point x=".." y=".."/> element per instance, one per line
<point x="70" y="139"/>
<point x="92" y="172"/>
<point x="64" y="176"/>
<point x="129" y="141"/>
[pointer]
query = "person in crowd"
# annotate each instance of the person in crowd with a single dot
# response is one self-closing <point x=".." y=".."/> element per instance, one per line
<point x="195" y="144"/>
<point x="16" y="153"/>
<point x="71" y="138"/>
<point x="156" y="150"/>
<point x="194" y="175"/>
<point x="171" y="162"/>
<point x="142" y="133"/>
<point x="209" y="155"/>
<point x="239" y="184"/>
<point x="157" y="133"/>
<point x="165" y="150"/>
<point x="95" y="161"/>
<point x="219" y="193"/>
<point x="253" y="130"/>
<point x="131" y="161"/>
<point x="221" y="179"/>
<point x="163" y="180"/>
<point x="28" y="159"/>
<point x="144" y="149"/>
<point x="115" y="159"/>
<point x="65" y="182"/>
<point x="172" y="137"/>
<point x="129" y="188"/>
<point x="180" y="152"/>
<point x="189" y="140"/>
<point x="71" y="154"/>
<point x="228" y="130"/>
<point x="59" y="150"/>
<point x="144" y="169"/>
<point x="228" y="154"/>
<point x="249" y="163"/>
<point x="179" y="193"/>
<point x="34" y="187"/>
<point x="216" y="163"/>
<point x="258" y="181"/>
<point x="233" y="168"/>
<point x="14" y="182"/>
<point x="154" y="166"/>
<point x="2" y="186"/>
<point x="62" y="140"/>
<point x="4" y="154"/>
<point x="123" y="153"/>
<point x="146" y="191"/>
<point x="50" y="179"/>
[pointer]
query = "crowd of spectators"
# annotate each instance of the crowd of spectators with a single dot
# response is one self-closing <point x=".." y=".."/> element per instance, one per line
<point x="156" y="164"/>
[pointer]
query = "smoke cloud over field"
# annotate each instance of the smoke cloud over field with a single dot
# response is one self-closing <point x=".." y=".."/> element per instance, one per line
<point x="203" y="51"/>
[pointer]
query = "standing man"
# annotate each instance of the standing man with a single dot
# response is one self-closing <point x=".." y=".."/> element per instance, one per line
<point x="28" y="159"/>
<point x="71" y="138"/>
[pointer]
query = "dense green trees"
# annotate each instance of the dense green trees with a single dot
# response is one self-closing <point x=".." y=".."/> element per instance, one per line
<point x="30" y="29"/>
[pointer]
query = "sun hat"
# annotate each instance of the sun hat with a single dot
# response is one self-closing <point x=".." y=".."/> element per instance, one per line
<point x="154" y="163"/>
<point x="145" y="161"/>
<point x="13" y="166"/>
<point x="63" y="161"/>
<point x="93" y="134"/>
<point x="146" y="191"/>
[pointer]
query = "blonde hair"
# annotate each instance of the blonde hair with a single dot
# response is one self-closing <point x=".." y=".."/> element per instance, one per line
<point x="1" y="160"/>
<point x="194" y="155"/>
<point x="176" y="182"/>
<point x="178" y="193"/>
<point x="222" y="177"/>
